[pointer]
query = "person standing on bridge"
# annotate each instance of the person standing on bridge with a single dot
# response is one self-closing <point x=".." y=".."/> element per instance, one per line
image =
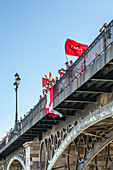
<point x="67" y="67"/>
<point x="61" y="73"/>
<point x="107" y="35"/>
<point x="104" y="27"/>
<point x="40" y="97"/>
<point x="71" y="63"/>
<point x="56" y="80"/>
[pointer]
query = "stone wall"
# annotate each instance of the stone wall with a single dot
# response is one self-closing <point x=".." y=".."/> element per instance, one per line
<point x="32" y="155"/>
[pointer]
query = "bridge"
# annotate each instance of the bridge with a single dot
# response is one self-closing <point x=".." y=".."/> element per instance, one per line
<point x="83" y="137"/>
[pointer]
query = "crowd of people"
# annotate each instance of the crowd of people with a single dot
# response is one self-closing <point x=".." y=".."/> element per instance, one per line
<point x="50" y="82"/>
<point x="8" y="136"/>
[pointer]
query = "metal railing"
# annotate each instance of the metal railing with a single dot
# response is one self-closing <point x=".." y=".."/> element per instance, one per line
<point x="95" y="50"/>
<point x="38" y="108"/>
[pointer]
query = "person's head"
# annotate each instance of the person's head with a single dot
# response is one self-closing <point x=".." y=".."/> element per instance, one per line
<point x="105" y="25"/>
<point x="53" y="81"/>
<point x="66" y="63"/>
<point x="56" y="78"/>
<point x="50" y="82"/>
<point x="40" y="96"/>
<point x="71" y="62"/>
<point x="59" y="71"/>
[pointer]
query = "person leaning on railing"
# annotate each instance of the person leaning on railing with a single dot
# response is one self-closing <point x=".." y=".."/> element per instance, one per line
<point x="104" y="27"/>
<point x="56" y="80"/>
<point x="71" y="63"/>
<point x="40" y="97"/>
<point x="67" y="67"/>
<point x="61" y="73"/>
<point x="107" y="36"/>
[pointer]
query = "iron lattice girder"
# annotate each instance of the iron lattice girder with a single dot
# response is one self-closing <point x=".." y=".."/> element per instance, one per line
<point x="90" y="134"/>
<point x="81" y="132"/>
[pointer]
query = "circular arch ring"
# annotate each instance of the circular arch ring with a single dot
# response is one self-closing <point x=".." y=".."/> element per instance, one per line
<point x="97" y="116"/>
<point x="97" y="149"/>
<point x="17" y="158"/>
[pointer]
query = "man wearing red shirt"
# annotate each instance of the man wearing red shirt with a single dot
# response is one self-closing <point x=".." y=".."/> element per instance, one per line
<point x="61" y="73"/>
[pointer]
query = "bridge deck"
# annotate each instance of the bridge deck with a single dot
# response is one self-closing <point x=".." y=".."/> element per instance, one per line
<point x="90" y="75"/>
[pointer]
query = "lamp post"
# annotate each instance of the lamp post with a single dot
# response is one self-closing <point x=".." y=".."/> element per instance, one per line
<point x="16" y="84"/>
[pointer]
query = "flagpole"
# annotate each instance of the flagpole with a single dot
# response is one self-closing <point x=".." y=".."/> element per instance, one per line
<point x="66" y="58"/>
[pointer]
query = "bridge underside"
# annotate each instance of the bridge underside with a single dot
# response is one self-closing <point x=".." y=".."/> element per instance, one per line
<point x="100" y="83"/>
<point x="87" y="145"/>
<point x="92" y="149"/>
<point x="76" y="103"/>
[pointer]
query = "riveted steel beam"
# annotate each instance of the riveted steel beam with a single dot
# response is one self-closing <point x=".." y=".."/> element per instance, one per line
<point x="90" y="134"/>
<point x="79" y="101"/>
<point x="94" y="91"/>
<point x="66" y="108"/>
<point x="100" y="79"/>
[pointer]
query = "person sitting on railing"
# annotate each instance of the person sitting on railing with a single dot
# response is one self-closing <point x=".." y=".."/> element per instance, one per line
<point x="67" y="67"/>
<point x="61" y="73"/>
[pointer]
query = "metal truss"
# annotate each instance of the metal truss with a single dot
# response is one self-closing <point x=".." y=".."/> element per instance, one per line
<point x="84" y="142"/>
<point x="19" y="156"/>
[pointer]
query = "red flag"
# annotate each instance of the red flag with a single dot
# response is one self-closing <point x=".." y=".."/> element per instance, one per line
<point x="45" y="76"/>
<point x="44" y="82"/>
<point x="74" y="48"/>
<point x="49" y="106"/>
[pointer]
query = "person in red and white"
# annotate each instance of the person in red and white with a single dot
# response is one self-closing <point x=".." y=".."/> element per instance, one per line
<point x="61" y="73"/>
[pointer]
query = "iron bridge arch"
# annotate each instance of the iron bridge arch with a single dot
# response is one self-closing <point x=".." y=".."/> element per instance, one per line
<point x="81" y="134"/>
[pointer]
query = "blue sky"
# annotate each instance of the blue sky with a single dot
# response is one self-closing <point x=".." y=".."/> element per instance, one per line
<point x="32" y="38"/>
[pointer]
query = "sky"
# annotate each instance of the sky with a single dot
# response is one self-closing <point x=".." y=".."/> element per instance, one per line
<point x="32" y="38"/>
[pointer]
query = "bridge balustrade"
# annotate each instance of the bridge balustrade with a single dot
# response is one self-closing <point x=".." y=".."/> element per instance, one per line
<point x="3" y="144"/>
<point x="95" y="50"/>
<point x="38" y="108"/>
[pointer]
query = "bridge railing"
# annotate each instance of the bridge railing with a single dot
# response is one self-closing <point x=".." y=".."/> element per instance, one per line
<point x="38" y="108"/>
<point x="95" y="50"/>
<point x="3" y="144"/>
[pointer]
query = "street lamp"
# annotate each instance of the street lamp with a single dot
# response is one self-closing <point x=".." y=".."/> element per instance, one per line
<point x="17" y="82"/>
